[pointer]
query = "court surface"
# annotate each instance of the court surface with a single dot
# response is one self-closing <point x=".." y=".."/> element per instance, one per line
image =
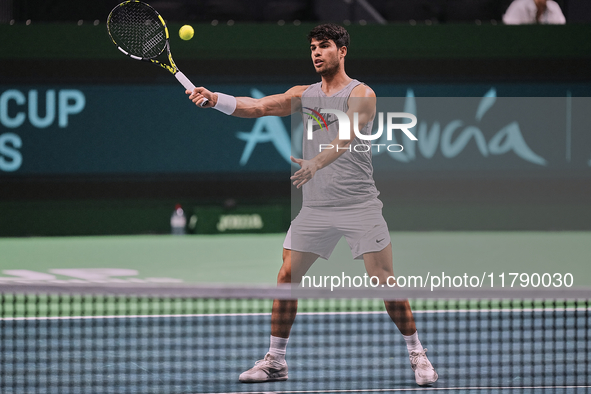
<point x="338" y="352"/>
<point x="255" y="259"/>
<point x="204" y="353"/>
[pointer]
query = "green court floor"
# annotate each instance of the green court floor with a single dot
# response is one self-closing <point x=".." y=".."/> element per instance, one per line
<point x="255" y="259"/>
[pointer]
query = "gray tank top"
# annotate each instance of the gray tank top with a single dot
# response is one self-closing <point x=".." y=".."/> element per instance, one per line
<point x="349" y="179"/>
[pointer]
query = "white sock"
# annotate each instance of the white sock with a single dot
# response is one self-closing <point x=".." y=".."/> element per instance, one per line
<point x="412" y="343"/>
<point x="278" y="348"/>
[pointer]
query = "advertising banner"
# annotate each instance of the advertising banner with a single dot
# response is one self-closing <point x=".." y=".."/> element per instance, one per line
<point x="143" y="130"/>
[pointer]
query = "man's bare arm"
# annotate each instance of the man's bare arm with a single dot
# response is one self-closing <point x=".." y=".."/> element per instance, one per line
<point x="363" y="102"/>
<point x="248" y="107"/>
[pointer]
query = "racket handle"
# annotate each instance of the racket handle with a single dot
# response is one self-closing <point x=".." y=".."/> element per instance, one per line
<point x="187" y="84"/>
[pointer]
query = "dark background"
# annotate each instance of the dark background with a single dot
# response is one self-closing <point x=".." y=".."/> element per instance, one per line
<point x="441" y="11"/>
<point x="437" y="48"/>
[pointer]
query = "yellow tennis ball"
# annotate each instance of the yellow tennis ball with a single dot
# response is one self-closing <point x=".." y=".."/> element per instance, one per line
<point x="186" y="32"/>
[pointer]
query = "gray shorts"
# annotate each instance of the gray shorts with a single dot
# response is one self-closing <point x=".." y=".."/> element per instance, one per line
<point x="318" y="230"/>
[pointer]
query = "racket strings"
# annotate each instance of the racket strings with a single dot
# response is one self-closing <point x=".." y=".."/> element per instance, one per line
<point x="136" y="28"/>
<point x="154" y="43"/>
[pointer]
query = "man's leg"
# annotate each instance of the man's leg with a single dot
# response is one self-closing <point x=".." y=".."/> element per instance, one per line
<point x="379" y="264"/>
<point x="273" y="367"/>
<point x="295" y="265"/>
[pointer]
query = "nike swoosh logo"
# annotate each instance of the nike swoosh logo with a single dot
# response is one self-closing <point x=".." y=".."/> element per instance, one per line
<point x="380" y="240"/>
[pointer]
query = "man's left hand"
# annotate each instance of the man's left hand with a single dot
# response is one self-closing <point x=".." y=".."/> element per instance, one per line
<point x="304" y="174"/>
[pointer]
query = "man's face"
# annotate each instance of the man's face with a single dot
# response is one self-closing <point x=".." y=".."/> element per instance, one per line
<point x="326" y="57"/>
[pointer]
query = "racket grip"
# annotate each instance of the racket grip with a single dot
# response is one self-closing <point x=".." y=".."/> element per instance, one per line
<point x="187" y="84"/>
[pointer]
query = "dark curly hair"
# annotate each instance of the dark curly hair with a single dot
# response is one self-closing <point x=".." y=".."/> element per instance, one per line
<point x="330" y="31"/>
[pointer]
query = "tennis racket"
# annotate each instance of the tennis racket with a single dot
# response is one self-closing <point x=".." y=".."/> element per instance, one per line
<point x="139" y="32"/>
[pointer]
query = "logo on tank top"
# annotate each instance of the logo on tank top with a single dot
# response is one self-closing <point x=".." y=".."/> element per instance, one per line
<point x="322" y="122"/>
<point x="316" y="121"/>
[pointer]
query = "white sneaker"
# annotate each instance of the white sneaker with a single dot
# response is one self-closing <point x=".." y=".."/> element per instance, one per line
<point x="265" y="370"/>
<point x="424" y="372"/>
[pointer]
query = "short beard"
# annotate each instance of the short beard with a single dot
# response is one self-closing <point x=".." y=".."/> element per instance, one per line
<point x="329" y="71"/>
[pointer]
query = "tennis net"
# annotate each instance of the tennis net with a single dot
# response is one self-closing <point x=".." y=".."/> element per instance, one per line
<point x="111" y="339"/>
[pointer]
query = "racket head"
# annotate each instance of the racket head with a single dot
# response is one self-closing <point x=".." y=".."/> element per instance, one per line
<point x="138" y="30"/>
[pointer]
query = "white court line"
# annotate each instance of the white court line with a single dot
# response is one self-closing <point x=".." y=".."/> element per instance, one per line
<point x="407" y="389"/>
<point x="525" y="310"/>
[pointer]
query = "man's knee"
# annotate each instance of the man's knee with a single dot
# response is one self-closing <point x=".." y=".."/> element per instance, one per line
<point x="379" y="264"/>
<point x="284" y="275"/>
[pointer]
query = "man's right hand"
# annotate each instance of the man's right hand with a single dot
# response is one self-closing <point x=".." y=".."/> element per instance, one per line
<point x="198" y="95"/>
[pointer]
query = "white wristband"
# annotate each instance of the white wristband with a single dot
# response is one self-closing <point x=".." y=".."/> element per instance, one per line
<point x="225" y="104"/>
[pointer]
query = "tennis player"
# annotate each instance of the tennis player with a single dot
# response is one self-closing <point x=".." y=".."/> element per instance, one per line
<point x="339" y="195"/>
